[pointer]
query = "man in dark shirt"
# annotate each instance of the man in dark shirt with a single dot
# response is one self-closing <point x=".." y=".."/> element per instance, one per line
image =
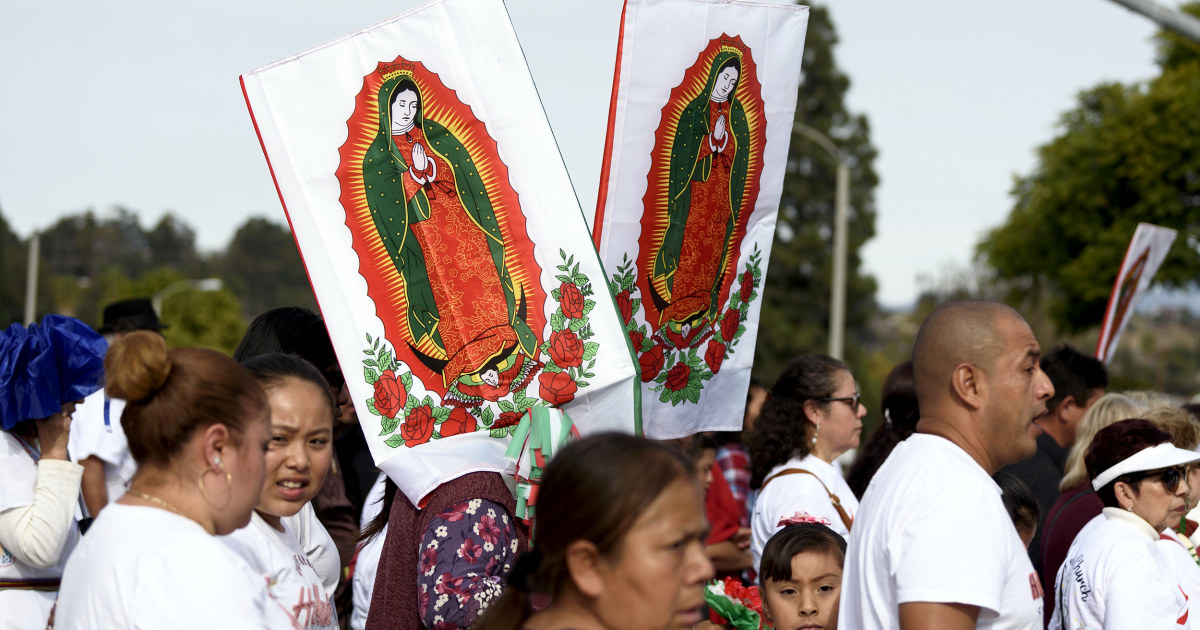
<point x="1078" y="381"/>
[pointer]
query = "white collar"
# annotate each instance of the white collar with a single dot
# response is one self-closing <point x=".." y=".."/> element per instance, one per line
<point x="1128" y="519"/>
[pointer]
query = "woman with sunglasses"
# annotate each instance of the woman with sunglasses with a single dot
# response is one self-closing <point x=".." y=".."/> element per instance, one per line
<point x="1114" y="577"/>
<point x="812" y="415"/>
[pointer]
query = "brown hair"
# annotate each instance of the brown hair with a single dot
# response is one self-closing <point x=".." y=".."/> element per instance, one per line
<point x="171" y="394"/>
<point x="1183" y="427"/>
<point x="594" y="490"/>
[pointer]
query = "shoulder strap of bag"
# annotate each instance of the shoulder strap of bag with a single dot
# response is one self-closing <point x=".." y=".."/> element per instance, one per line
<point x="833" y="498"/>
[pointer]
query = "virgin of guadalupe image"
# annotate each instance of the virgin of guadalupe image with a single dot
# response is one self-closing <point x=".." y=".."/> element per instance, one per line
<point x="466" y="315"/>
<point x="706" y="185"/>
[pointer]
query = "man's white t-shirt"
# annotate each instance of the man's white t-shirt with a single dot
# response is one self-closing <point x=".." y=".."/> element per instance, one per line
<point x="1114" y="576"/>
<point x="143" y="567"/>
<point x="90" y="436"/>
<point x="932" y="528"/>
<point x="787" y="494"/>
<point x="291" y="579"/>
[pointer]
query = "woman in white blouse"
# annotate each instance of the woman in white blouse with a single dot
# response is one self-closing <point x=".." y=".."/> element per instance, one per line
<point x="812" y="415"/>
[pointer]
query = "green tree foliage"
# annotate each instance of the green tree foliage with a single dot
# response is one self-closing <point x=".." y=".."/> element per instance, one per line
<point x="13" y="266"/>
<point x="1125" y="154"/>
<point x="263" y="267"/>
<point x="795" y="310"/>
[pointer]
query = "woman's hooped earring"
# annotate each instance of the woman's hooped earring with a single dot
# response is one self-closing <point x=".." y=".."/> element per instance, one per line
<point x="228" y="478"/>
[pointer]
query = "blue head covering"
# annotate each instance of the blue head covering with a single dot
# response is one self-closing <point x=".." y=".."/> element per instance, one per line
<point x="46" y="365"/>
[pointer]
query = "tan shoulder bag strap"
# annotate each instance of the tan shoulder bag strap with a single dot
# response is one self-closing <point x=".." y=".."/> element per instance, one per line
<point x="833" y="498"/>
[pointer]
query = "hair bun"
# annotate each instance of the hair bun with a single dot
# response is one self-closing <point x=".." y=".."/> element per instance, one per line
<point x="137" y="366"/>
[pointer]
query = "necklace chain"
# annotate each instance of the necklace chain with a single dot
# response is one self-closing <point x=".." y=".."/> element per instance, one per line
<point x="156" y="500"/>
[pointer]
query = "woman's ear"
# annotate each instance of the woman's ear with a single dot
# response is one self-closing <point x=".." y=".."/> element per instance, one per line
<point x="586" y="568"/>
<point x="813" y="412"/>
<point x="214" y="440"/>
<point x="1125" y="494"/>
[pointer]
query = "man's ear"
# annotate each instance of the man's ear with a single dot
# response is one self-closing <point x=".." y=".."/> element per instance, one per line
<point x="969" y="383"/>
<point x="587" y="568"/>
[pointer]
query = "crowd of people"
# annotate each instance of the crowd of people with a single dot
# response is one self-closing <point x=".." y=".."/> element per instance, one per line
<point x="1004" y="488"/>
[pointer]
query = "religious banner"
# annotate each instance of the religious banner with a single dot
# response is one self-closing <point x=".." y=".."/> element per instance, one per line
<point x="1145" y="255"/>
<point x="443" y="240"/>
<point x="703" y="102"/>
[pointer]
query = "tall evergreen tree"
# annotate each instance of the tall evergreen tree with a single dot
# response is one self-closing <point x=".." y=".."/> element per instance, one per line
<point x="796" y="301"/>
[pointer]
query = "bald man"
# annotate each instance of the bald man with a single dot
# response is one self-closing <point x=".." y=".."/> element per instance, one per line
<point x="932" y="545"/>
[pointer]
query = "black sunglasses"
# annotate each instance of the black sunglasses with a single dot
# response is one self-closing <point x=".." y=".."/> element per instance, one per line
<point x="854" y="401"/>
<point x="1170" y="477"/>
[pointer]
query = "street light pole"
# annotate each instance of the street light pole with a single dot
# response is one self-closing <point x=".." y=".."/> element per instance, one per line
<point x="207" y="284"/>
<point x="31" y="277"/>
<point x="837" y="297"/>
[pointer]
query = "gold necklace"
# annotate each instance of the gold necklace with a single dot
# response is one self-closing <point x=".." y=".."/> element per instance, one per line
<point x="154" y="499"/>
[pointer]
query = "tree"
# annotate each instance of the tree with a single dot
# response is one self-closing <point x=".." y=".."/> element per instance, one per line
<point x="263" y="267"/>
<point x="1125" y="154"/>
<point x="795" y="308"/>
<point x="13" y="267"/>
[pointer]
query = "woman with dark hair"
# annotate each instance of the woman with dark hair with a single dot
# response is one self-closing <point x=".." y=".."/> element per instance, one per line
<point x="1114" y="577"/>
<point x="900" y="416"/>
<point x="45" y="370"/>
<point x="197" y="425"/>
<point x="327" y="526"/>
<point x="813" y="415"/>
<point x="620" y="542"/>
<point x="1021" y="505"/>
<point x="297" y="460"/>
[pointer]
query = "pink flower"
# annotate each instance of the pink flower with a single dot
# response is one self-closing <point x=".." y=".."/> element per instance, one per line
<point x="803" y="517"/>
<point x="487" y="530"/>
<point x="428" y="561"/>
<point x="469" y="551"/>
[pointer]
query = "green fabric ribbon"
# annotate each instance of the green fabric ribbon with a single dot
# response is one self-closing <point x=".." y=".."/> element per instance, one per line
<point x="541" y="433"/>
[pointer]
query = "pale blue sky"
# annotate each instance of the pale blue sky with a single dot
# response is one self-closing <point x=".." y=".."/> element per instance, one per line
<point x="138" y="104"/>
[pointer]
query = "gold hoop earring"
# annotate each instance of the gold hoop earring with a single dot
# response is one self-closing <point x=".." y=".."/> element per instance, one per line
<point x="228" y="480"/>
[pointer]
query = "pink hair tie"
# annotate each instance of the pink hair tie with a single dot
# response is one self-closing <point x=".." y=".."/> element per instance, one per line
<point x="803" y="517"/>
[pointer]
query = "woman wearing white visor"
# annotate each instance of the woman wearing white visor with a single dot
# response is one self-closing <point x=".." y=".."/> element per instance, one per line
<point x="1113" y="576"/>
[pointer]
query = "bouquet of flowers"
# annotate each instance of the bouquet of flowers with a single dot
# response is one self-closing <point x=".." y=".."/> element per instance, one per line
<point x="738" y="605"/>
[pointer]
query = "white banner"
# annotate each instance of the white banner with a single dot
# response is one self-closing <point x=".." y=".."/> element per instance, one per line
<point x="444" y="242"/>
<point x="1145" y="255"/>
<point x="703" y="104"/>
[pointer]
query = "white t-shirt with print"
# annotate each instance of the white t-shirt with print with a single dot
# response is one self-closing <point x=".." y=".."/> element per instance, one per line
<point x="1115" y="577"/>
<point x="143" y="567"/>
<point x="787" y="494"/>
<point x="1187" y="572"/>
<point x="932" y="528"/>
<point x="291" y="579"/>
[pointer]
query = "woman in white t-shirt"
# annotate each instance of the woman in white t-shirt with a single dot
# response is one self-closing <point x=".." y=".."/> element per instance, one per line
<point x="47" y="369"/>
<point x="298" y="458"/>
<point x="812" y="416"/>
<point x="196" y="423"/>
<point x="1113" y="576"/>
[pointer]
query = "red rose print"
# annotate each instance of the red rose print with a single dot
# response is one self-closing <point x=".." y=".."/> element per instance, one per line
<point x="418" y="426"/>
<point x="624" y="306"/>
<point x="677" y="378"/>
<point x="507" y="419"/>
<point x="571" y="300"/>
<point x="651" y="362"/>
<point x="729" y="324"/>
<point x="715" y="355"/>
<point x="460" y="421"/>
<point x="636" y="338"/>
<point x="747" y="286"/>
<point x="558" y="388"/>
<point x="389" y="394"/>
<point x="566" y="350"/>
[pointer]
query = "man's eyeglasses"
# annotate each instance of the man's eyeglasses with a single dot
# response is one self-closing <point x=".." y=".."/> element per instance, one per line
<point x="854" y="401"/>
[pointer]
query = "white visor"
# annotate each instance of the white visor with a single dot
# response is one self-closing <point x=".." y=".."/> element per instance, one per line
<point x="1163" y="455"/>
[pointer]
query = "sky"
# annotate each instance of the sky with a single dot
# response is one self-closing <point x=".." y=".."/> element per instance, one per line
<point x="138" y="104"/>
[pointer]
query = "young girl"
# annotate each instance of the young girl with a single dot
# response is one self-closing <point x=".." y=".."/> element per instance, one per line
<point x="800" y="575"/>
